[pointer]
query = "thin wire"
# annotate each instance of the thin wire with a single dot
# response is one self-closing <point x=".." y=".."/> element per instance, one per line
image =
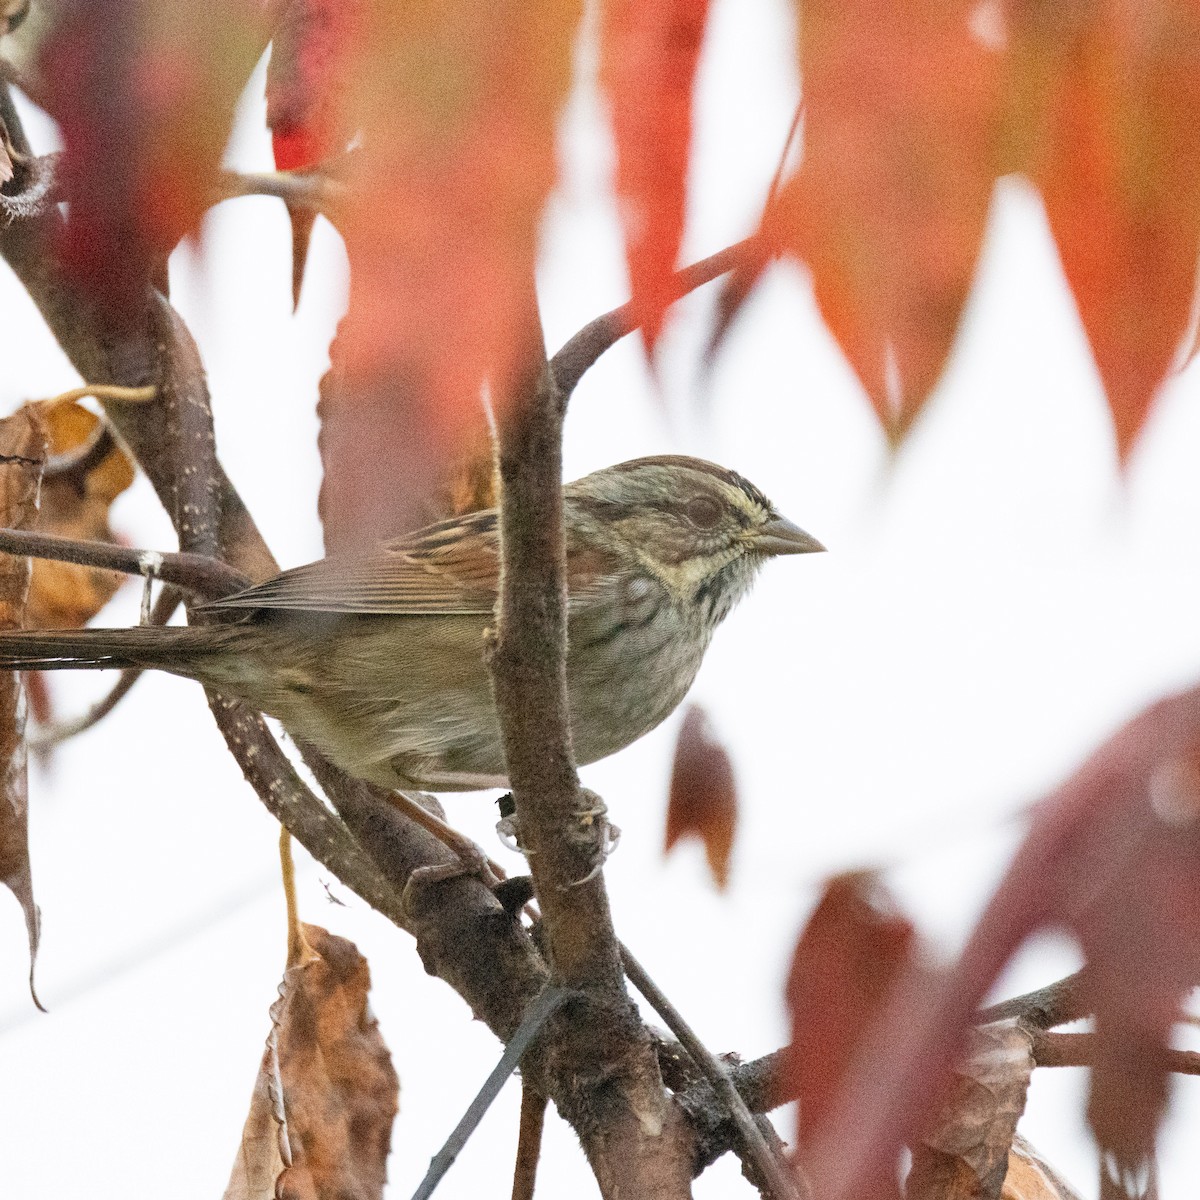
<point x="548" y="1002"/>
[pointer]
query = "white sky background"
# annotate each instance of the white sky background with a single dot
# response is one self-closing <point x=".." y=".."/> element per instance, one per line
<point x="996" y="600"/>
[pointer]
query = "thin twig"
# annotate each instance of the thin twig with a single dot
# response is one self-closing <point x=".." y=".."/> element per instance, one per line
<point x="297" y="189"/>
<point x="107" y="391"/>
<point x="536" y="1016"/>
<point x="780" y="1184"/>
<point x="194" y="573"/>
<point x="46" y="738"/>
<point x="1057" y="1003"/>
<point x="1079" y="1050"/>
<point x="784" y="154"/>
<point x="529" y="1143"/>
<point x="582" y="350"/>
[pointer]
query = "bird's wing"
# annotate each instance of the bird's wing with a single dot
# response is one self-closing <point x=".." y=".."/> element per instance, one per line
<point x="441" y="570"/>
<point x="449" y="568"/>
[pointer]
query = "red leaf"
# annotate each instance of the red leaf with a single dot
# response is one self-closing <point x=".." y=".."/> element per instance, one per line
<point x="458" y="105"/>
<point x="306" y="111"/>
<point x="649" y="51"/>
<point x="703" y="797"/>
<point x="850" y="957"/>
<point x="1110" y="95"/>
<point x="144" y="95"/>
<point x="902" y="101"/>
<point x="1114" y="856"/>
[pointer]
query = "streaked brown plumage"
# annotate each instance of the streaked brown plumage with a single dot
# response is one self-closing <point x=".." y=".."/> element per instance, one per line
<point x="379" y="661"/>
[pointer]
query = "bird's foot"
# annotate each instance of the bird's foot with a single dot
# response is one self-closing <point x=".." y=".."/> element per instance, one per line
<point x="425" y="811"/>
<point x="594" y="833"/>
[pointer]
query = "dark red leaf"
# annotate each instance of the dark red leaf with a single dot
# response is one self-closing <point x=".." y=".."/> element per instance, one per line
<point x="306" y="108"/>
<point x="306" y="81"/>
<point x="902" y="104"/>
<point x="144" y="96"/>
<point x="1114" y="856"/>
<point x="649" y="51"/>
<point x="853" y="952"/>
<point x="1105" y="117"/>
<point x="702" y="800"/>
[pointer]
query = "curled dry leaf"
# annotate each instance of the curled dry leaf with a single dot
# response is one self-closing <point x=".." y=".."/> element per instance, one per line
<point x="1030" y="1177"/>
<point x="321" y="1114"/>
<point x="22" y="456"/>
<point x="702" y="800"/>
<point x="965" y="1155"/>
<point x="1103" y="101"/>
<point x="902" y="104"/>
<point x="649" y="50"/>
<point x="75" y="503"/>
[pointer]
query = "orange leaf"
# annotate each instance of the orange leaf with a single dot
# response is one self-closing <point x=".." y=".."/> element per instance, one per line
<point x="1107" y="96"/>
<point x="75" y="503"/>
<point x="22" y="456"/>
<point x="1031" y="1178"/>
<point x="649" y="50"/>
<point x="902" y="101"/>
<point x="320" y="1121"/>
<point x="144" y="95"/>
<point x="703" y="798"/>
<point x="458" y="106"/>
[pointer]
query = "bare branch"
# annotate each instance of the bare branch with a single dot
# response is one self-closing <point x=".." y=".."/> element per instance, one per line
<point x="1057" y="1003"/>
<point x="1079" y="1050"/>
<point x="298" y="189"/>
<point x="582" y="350"/>
<point x="641" y="1145"/>
<point x="766" y="1166"/>
<point x="193" y="573"/>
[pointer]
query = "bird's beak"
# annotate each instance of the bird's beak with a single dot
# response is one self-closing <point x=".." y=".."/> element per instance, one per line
<point x="780" y="536"/>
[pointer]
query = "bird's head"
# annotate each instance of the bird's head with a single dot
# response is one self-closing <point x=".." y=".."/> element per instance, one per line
<point x="698" y="528"/>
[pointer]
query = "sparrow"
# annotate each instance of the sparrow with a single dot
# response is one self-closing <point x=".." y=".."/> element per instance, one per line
<point x="378" y="661"/>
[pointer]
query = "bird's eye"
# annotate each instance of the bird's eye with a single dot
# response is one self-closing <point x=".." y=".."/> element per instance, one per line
<point x="703" y="512"/>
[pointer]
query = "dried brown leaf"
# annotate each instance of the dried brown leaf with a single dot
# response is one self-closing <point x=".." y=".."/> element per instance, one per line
<point x="22" y="456"/>
<point x="75" y="504"/>
<point x="965" y="1155"/>
<point x="320" y="1121"/>
<point x="702" y="799"/>
<point x="1030" y="1177"/>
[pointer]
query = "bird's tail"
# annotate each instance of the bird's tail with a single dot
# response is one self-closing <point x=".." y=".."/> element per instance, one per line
<point x="171" y="648"/>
